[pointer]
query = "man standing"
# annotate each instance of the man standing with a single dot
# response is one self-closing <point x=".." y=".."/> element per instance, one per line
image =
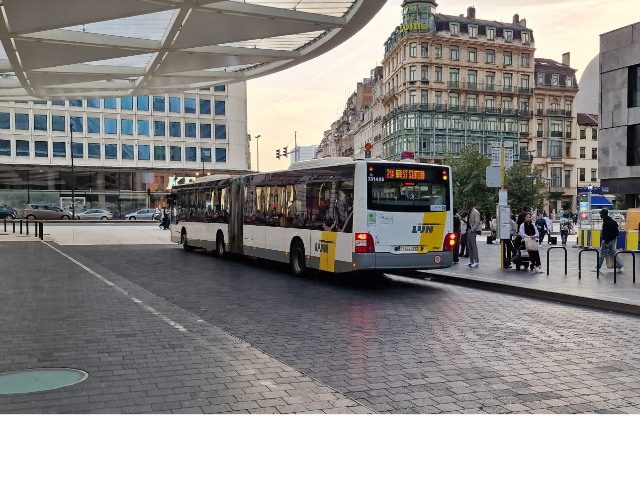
<point x="609" y="240"/>
<point x="463" y="235"/>
<point x="541" y="225"/>
<point x="475" y="227"/>
<point x="523" y="213"/>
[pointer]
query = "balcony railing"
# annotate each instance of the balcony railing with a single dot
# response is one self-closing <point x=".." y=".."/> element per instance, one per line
<point x="567" y="135"/>
<point x="453" y="84"/>
<point x="583" y="155"/>
<point x="443" y="107"/>
<point x="594" y="157"/>
<point x="508" y="88"/>
<point x="543" y="84"/>
<point x="524" y="134"/>
<point x="559" y="113"/>
<point x="556" y="134"/>
<point x="539" y="134"/>
<point x="377" y="138"/>
<point x="568" y="113"/>
<point x="526" y="113"/>
<point x="540" y="112"/>
<point x="556" y="189"/>
<point x="377" y="120"/>
<point x="526" y="90"/>
<point x="389" y="94"/>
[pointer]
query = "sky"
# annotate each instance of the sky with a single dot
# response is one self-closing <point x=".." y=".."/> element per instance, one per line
<point x="309" y="97"/>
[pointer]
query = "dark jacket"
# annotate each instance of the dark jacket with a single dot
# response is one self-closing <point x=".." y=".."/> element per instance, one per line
<point x="609" y="229"/>
<point x="456" y="224"/>
<point x="541" y="224"/>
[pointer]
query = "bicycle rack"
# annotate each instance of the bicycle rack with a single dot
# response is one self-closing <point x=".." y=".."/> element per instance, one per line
<point x="565" y="258"/>
<point x="580" y="260"/>
<point x="615" y="270"/>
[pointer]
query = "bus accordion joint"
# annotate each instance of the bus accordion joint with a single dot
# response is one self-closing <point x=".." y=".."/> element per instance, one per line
<point x="364" y="243"/>
<point x="449" y="242"/>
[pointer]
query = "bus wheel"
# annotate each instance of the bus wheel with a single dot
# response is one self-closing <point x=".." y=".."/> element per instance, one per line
<point x="298" y="266"/>
<point x="185" y="245"/>
<point x="220" y="245"/>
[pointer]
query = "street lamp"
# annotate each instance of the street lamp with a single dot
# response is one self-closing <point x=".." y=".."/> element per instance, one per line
<point x="258" y="152"/>
<point x="532" y="177"/>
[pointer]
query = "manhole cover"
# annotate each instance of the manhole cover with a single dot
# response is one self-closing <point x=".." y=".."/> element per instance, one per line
<point x="39" y="380"/>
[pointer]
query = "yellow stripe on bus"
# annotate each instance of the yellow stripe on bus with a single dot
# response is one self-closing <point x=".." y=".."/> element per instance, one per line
<point x="328" y="251"/>
<point x="432" y="235"/>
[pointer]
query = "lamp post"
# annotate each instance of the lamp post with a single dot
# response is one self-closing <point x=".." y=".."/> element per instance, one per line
<point x="258" y="152"/>
<point x="73" y="178"/>
<point x="532" y="177"/>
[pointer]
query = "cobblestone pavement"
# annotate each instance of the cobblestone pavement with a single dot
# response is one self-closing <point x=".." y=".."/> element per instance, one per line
<point x="395" y="344"/>
<point x="143" y="354"/>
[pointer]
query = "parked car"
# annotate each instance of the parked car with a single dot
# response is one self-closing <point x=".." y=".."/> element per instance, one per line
<point x="8" y="212"/>
<point x="45" y="212"/>
<point x="144" y="214"/>
<point x="95" y="214"/>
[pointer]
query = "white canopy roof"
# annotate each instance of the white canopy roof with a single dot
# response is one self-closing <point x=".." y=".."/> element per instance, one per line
<point x="60" y="49"/>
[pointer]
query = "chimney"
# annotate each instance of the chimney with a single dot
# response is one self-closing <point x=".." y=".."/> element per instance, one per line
<point x="516" y="19"/>
<point x="566" y="59"/>
<point x="471" y="13"/>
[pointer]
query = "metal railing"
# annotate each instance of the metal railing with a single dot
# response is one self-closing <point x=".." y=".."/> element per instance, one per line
<point x="580" y="260"/>
<point x="615" y="270"/>
<point x="565" y="258"/>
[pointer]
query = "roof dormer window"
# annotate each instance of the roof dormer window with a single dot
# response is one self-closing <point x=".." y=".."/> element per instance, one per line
<point x="455" y="29"/>
<point x="473" y="31"/>
<point x="491" y="33"/>
<point x="508" y="36"/>
<point x="526" y="37"/>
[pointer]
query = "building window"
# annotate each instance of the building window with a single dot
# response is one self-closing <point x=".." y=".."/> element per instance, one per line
<point x="220" y="107"/>
<point x="594" y="153"/>
<point x="540" y="79"/>
<point x="556" y="179"/>
<point x="491" y="33"/>
<point x="473" y="54"/>
<point x="567" y="179"/>
<point x="473" y="78"/>
<point x="583" y="152"/>
<point x="205" y="155"/>
<point x="174" y="104"/>
<point x="127" y="152"/>
<point x="489" y="101"/>
<point x="221" y="132"/>
<point x="189" y="105"/>
<point x="594" y="174"/>
<point x="539" y="150"/>
<point x="525" y="60"/>
<point x="126" y="126"/>
<point x="175" y="154"/>
<point x="205" y="107"/>
<point x="93" y="103"/>
<point x="144" y="152"/>
<point x="22" y="148"/>
<point x="568" y="107"/>
<point x="41" y="149"/>
<point x="175" y="129"/>
<point x="413" y="73"/>
<point x="473" y="31"/>
<point x="143" y="103"/>
<point x="454" y="53"/>
<point x="438" y="51"/>
<point x="205" y="130"/>
<point x="507" y="80"/>
<point x="76" y="124"/>
<point x="508" y="36"/>
<point x="93" y="150"/>
<point x="221" y="155"/>
<point x="59" y="149"/>
<point x="190" y="130"/>
<point x="5" y="148"/>
<point x="413" y="49"/>
<point x="567" y="150"/>
<point x="22" y="121"/>
<point x="93" y="124"/>
<point x="190" y="154"/>
<point x="554" y="149"/>
<point x="582" y="174"/>
<point x="524" y="82"/>
<point x="490" y="80"/>
<point x="438" y="74"/>
<point x="507" y="103"/>
<point x="594" y="134"/>
<point x="554" y="79"/>
<point x="77" y="150"/>
<point x="75" y="103"/>
<point x="5" y="120"/>
<point x="508" y="58"/>
<point x="143" y="127"/>
<point x="634" y="86"/>
<point x="424" y="50"/>
<point x="472" y="101"/>
<point x="111" y="151"/>
<point x="58" y="123"/>
<point x="412" y="97"/>
<point x="491" y="56"/>
<point x="110" y="126"/>
<point x="158" y="104"/>
<point x="126" y="103"/>
<point x="158" y="129"/>
<point x="40" y="122"/>
<point x="424" y="97"/>
<point x="424" y="73"/>
<point x="159" y="152"/>
<point x="583" y="134"/>
<point x="453" y="100"/>
<point x="526" y="37"/>
<point x="438" y="98"/>
<point x="110" y="103"/>
<point x="568" y="81"/>
<point x="454" y="77"/>
<point x="220" y="88"/>
<point x="455" y="29"/>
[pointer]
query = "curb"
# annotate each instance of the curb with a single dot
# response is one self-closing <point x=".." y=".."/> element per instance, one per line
<point x="569" y="299"/>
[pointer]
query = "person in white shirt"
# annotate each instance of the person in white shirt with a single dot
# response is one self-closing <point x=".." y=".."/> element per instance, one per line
<point x="463" y="236"/>
<point x="549" y="229"/>
<point x="529" y="230"/>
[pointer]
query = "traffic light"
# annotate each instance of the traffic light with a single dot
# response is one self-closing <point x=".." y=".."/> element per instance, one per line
<point x="278" y="154"/>
<point x="284" y="152"/>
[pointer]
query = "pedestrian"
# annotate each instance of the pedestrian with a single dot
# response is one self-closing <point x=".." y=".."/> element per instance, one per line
<point x="565" y="226"/>
<point x="463" y="235"/>
<point x="521" y="216"/>
<point x="475" y="228"/>
<point x="541" y="226"/>
<point x="494" y="230"/>
<point x="609" y="238"/>
<point x="529" y="234"/>
<point x="457" y="225"/>
<point x="509" y="251"/>
<point x="549" y="228"/>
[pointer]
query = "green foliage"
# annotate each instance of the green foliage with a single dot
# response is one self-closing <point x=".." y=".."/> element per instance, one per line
<point x="522" y="190"/>
<point x="620" y="202"/>
<point x="468" y="173"/>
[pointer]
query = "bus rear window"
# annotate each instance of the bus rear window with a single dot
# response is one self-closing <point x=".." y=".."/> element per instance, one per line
<point x="412" y="189"/>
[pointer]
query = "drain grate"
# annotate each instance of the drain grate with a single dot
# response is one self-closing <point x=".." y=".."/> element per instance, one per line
<point x="39" y="380"/>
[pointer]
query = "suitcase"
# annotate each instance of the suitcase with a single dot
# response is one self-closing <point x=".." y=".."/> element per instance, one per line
<point x="489" y="240"/>
<point x="553" y="240"/>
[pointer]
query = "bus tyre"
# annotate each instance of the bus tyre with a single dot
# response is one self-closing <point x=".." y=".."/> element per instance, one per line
<point x="185" y="245"/>
<point x="220" y="245"/>
<point x="298" y="265"/>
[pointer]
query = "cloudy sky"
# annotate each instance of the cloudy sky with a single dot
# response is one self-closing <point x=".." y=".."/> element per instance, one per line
<point x="309" y="97"/>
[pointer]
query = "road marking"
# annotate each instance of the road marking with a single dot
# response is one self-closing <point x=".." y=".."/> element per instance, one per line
<point x="122" y="291"/>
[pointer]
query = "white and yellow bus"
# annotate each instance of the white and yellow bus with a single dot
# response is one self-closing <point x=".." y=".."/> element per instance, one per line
<point x="336" y="215"/>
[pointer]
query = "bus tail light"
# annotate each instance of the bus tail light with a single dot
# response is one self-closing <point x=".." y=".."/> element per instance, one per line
<point x="364" y="243"/>
<point x="449" y="242"/>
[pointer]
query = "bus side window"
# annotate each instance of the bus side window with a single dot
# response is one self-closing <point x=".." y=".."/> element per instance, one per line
<point x="344" y="207"/>
<point x="250" y="205"/>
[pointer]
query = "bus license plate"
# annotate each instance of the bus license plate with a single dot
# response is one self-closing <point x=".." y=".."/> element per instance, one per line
<point x="409" y="248"/>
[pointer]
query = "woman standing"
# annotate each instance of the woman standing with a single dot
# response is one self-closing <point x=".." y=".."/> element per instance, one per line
<point x="529" y="231"/>
<point x="463" y="235"/>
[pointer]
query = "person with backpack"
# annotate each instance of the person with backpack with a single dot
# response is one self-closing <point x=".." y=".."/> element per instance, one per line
<point x="609" y="239"/>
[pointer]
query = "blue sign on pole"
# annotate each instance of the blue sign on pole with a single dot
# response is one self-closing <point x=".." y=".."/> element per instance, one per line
<point x="590" y="187"/>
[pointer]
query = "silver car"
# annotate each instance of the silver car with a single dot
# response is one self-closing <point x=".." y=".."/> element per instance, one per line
<point x="95" y="214"/>
<point x="45" y="212"/>
<point x="144" y="214"/>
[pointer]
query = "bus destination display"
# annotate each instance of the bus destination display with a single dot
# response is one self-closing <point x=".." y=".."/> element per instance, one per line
<point x="404" y="174"/>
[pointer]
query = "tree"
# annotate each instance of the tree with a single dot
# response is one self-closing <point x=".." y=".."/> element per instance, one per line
<point x="620" y="202"/>
<point x="468" y="173"/>
<point x="522" y="190"/>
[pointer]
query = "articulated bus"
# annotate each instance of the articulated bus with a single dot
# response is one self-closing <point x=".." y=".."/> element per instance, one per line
<point x="336" y="215"/>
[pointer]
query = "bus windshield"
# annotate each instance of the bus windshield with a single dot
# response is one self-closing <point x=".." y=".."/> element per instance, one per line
<point x="415" y="189"/>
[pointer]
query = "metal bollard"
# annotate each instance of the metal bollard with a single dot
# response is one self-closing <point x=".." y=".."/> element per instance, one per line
<point x="35" y="225"/>
<point x="27" y="227"/>
<point x="14" y="226"/>
<point x="20" y="226"/>
<point x="580" y="260"/>
<point x="5" y="224"/>
<point x="565" y="258"/>
<point x="41" y="225"/>
<point x="615" y="270"/>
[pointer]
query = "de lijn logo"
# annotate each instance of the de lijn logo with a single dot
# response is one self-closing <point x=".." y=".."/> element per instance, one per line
<point x="405" y="27"/>
<point x="424" y="227"/>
